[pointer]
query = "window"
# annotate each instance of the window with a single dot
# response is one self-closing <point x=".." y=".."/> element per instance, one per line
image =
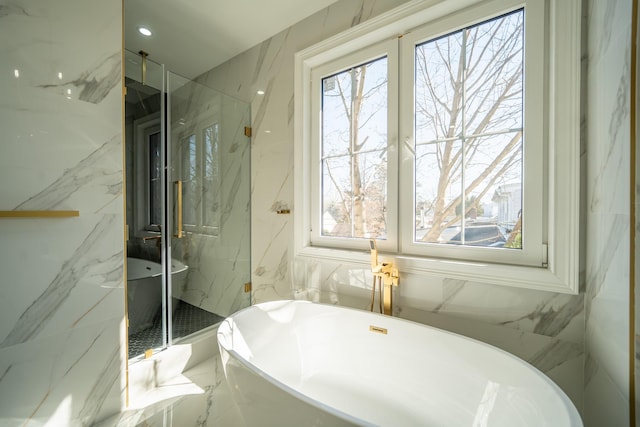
<point x="354" y="148"/>
<point x="197" y="166"/>
<point x="468" y="137"/>
<point x="356" y="116"/>
<point x="475" y="196"/>
<point x="437" y="145"/>
<point x="147" y="155"/>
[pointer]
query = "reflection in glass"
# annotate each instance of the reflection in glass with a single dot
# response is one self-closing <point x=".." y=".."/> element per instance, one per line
<point x="211" y="179"/>
<point x="189" y="183"/>
<point x="155" y="179"/>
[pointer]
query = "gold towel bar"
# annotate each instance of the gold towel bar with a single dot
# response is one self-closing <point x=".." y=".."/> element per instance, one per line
<point x="38" y="214"/>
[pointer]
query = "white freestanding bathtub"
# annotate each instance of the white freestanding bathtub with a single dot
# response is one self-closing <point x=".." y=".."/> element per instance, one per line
<point x="296" y="363"/>
<point x="144" y="290"/>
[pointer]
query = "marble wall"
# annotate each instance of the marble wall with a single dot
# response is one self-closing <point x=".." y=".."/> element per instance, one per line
<point x="546" y="329"/>
<point x="607" y="207"/>
<point x="62" y="349"/>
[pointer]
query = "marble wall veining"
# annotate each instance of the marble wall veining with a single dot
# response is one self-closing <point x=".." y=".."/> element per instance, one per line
<point x="607" y="207"/>
<point x="62" y="358"/>
<point x="546" y="329"/>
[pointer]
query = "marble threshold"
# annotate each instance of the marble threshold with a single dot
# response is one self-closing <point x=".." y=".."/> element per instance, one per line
<point x="180" y="387"/>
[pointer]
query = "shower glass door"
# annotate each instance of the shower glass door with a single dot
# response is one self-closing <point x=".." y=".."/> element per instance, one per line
<point x="207" y="212"/>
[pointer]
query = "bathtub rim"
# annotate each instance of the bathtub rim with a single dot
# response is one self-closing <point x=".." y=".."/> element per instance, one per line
<point x="276" y="383"/>
<point x="226" y="325"/>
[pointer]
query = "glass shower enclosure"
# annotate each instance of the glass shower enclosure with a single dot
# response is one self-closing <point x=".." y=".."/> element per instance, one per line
<point x="188" y="198"/>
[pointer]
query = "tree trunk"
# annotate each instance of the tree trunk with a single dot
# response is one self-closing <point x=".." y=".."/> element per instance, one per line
<point x="357" y="91"/>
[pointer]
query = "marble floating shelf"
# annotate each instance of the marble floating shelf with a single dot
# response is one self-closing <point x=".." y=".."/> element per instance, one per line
<point x="39" y="214"/>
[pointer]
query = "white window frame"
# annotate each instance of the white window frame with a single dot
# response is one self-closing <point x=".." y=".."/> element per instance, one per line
<point x="532" y="252"/>
<point x="389" y="49"/>
<point x="561" y="100"/>
<point x="143" y="127"/>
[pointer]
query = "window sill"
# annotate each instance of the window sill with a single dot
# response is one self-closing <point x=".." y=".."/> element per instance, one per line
<point x="537" y="278"/>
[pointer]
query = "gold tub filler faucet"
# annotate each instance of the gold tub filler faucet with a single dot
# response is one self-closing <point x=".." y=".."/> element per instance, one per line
<point x="385" y="276"/>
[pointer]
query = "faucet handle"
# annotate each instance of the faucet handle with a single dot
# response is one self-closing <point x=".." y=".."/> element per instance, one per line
<point x="390" y="274"/>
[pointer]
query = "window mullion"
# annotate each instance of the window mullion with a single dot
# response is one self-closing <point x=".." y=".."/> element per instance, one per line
<point x="352" y="149"/>
<point x="463" y="140"/>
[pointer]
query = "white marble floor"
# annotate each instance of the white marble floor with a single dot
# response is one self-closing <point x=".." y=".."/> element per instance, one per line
<point x="198" y="397"/>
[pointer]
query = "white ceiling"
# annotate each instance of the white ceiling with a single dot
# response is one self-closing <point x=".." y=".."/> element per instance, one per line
<point x="193" y="36"/>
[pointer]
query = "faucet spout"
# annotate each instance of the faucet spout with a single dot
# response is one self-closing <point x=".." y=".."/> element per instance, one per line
<point x="158" y="239"/>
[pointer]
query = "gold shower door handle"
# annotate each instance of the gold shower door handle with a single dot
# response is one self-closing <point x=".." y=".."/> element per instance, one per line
<point x="179" y="234"/>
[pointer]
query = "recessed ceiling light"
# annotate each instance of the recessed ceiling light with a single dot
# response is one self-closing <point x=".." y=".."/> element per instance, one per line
<point x="144" y="31"/>
<point x="260" y="92"/>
